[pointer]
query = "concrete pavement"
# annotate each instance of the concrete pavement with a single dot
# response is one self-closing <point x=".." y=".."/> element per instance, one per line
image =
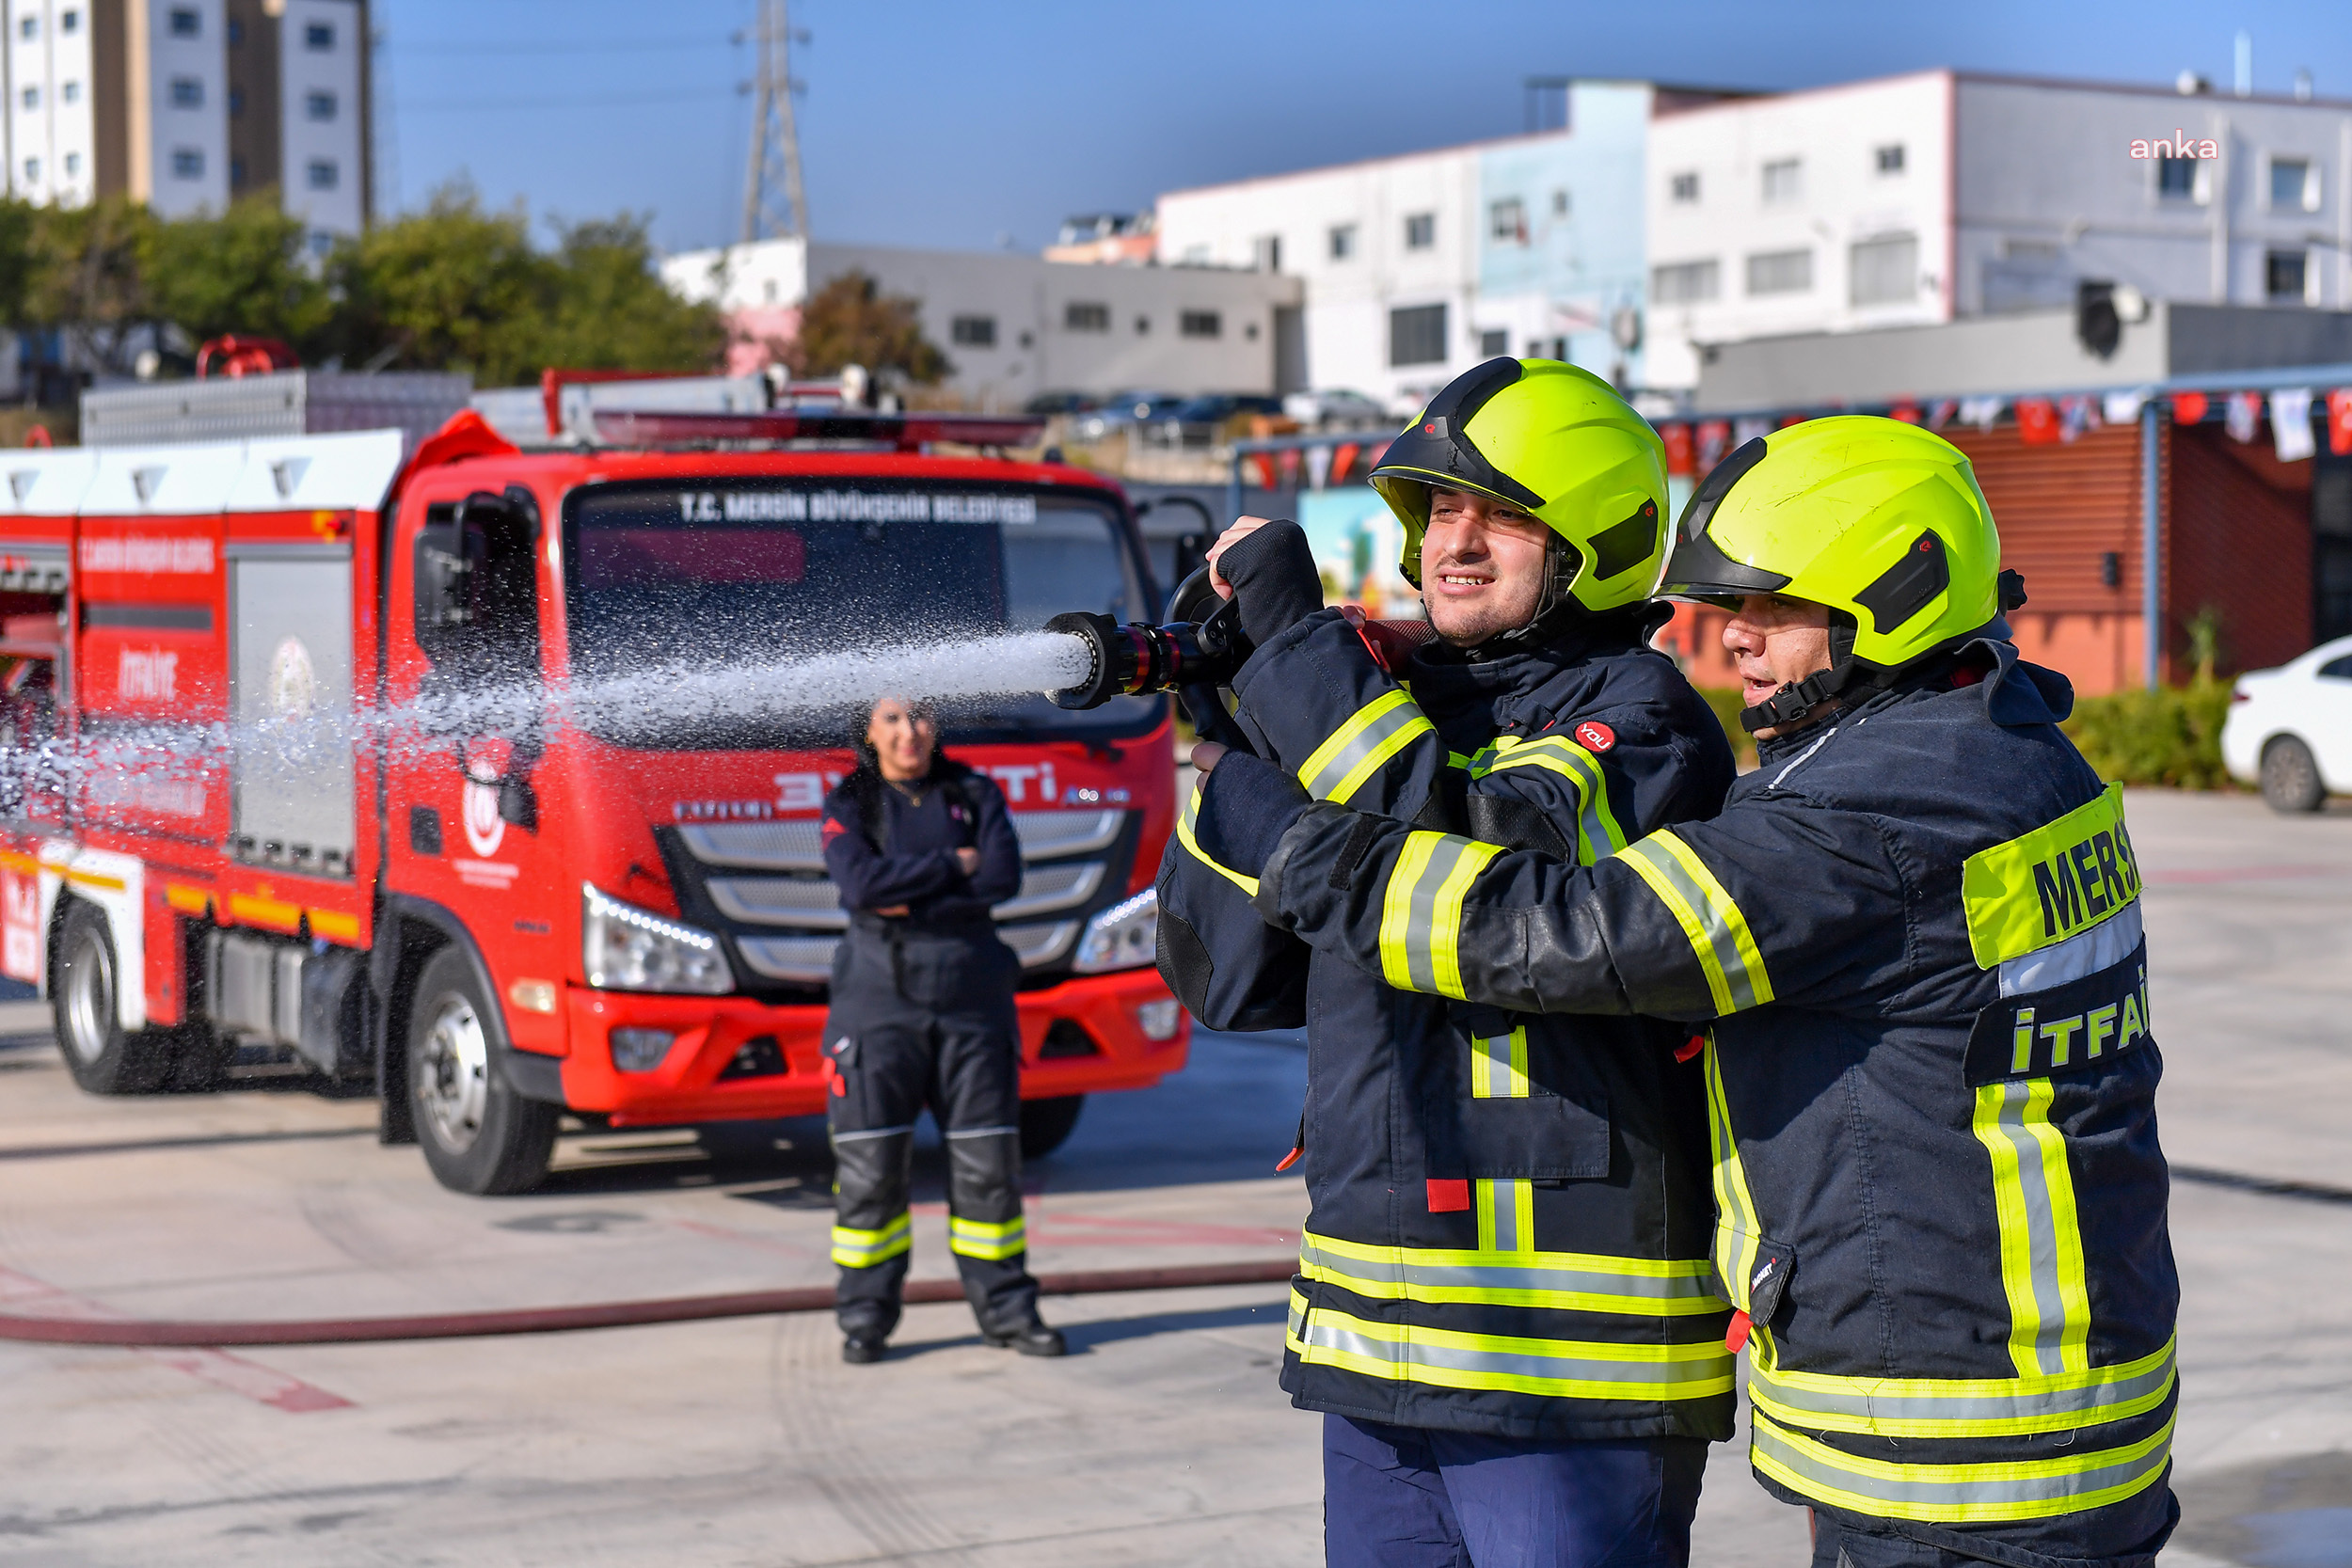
<point x="1163" y="1440"/>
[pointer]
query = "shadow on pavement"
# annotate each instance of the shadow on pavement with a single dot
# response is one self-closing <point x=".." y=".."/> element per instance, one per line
<point x="1085" y="1338"/>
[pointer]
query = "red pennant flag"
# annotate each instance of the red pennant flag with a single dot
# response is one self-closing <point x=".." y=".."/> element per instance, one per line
<point x="1793" y="420"/>
<point x="2037" y="422"/>
<point x="1263" y="463"/>
<point x="1678" y="455"/>
<point x="2340" y="422"/>
<point x="2188" y="407"/>
<point x="1342" y="459"/>
<point x="1907" y="412"/>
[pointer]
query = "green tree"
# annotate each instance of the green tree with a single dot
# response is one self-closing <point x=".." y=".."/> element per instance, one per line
<point x="453" y="287"/>
<point x="851" y="322"/>
<point x="85" y="277"/>
<point x="19" y="221"/>
<point x="244" y="270"/>
<point x="610" y="310"/>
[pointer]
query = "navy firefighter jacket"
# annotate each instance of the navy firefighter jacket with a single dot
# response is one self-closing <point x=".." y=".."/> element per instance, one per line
<point x="1913" y="935"/>
<point x="1510" y="1212"/>
<point x="889" y="845"/>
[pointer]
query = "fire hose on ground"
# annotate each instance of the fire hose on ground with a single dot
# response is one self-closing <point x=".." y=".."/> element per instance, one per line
<point x="213" y="1335"/>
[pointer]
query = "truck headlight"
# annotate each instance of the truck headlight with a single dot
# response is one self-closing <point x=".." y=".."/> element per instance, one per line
<point x="1122" y="937"/>
<point x="626" y="948"/>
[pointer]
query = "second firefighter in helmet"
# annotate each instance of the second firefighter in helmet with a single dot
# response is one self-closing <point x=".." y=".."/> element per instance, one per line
<point x="1503" y="1311"/>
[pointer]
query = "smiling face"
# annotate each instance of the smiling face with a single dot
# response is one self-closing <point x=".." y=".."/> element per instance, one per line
<point x="903" y="740"/>
<point x="1482" y="567"/>
<point x="1772" y="642"/>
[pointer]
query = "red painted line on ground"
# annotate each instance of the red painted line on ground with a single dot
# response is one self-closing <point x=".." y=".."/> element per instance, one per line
<point x="233" y="1374"/>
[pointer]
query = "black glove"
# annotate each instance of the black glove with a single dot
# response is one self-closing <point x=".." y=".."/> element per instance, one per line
<point x="1274" y="576"/>
<point x="1247" y="805"/>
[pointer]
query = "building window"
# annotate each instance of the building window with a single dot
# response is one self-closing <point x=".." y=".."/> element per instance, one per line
<point x="31" y="171"/>
<point x="319" y="106"/>
<point x="236" y="102"/>
<point x="1082" y="316"/>
<point x="1890" y="158"/>
<point x="1493" y="343"/>
<point x="73" y="164"/>
<point x="318" y="37"/>
<point x="187" y="23"/>
<point x="2176" y="179"/>
<point x="236" y="174"/>
<point x="29" y="28"/>
<point x="1886" y="271"/>
<point x="236" y="33"/>
<point x="1780" y="272"/>
<point x="1417" y="335"/>
<point x="1685" y="282"/>
<point x="1342" y="239"/>
<point x="1559" y="204"/>
<point x="973" y="331"/>
<point x="323" y="174"/>
<point x="30" y="97"/>
<point x="321" y="242"/>
<point x="1266" y="253"/>
<point x="1201" y="324"/>
<point x="2283" y="272"/>
<point x="1684" y="188"/>
<point x="69" y="92"/>
<point x="1506" y="221"/>
<point x="2292" y="187"/>
<point x="1421" y="233"/>
<point x="187" y="92"/>
<point x="1782" y="182"/>
<point x="69" y="23"/>
<point x="187" y="162"/>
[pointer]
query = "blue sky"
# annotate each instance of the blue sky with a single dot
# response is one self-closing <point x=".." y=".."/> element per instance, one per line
<point x="975" y="124"/>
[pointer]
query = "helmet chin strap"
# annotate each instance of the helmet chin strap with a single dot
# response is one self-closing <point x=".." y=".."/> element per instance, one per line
<point x="1556" y="608"/>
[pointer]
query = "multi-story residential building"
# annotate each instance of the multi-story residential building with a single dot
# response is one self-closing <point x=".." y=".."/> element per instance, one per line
<point x="1941" y="195"/>
<point x="1417" y="266"/>
<point x="185" y="104"/>
<point x="1014" y="327"/>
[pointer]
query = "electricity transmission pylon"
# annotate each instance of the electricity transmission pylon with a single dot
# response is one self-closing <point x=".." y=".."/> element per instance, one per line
<point x="775" y="205"/>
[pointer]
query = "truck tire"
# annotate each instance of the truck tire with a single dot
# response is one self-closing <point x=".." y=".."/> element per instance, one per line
<point x="479" y="1135"/>
<point x="1046" y="1124"/>
<point x="102" y="1055"/>
<point x="2291" y="783"/>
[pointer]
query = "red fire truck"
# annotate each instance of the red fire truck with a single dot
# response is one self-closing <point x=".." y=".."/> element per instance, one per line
<point x="498" y="911"/>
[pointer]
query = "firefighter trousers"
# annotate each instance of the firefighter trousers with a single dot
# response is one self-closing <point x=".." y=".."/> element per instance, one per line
<point x="923" y="1020"/>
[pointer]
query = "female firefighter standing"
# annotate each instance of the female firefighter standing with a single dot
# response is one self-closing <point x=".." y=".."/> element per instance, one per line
<point x="920" y="846"/>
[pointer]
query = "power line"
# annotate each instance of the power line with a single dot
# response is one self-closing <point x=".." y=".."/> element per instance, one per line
<point x="577" y="101"/>
<point x="630" y="46"/>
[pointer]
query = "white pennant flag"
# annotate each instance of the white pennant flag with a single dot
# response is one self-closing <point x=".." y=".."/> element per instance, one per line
<point x="2291" y="423"/>
<point x="1318" y="467"/>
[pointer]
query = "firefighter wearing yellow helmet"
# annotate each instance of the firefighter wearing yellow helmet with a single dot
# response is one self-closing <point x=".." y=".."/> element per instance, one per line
<point x="1504" y="1312"/>
<point x="1912" y="945"/>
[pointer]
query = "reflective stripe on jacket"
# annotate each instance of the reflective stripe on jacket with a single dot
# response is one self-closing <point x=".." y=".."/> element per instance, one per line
<point x="1931" y="1080"/>
<point x="1510" y="1212"/>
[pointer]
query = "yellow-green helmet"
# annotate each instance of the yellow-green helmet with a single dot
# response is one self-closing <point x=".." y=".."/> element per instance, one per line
<point x="1880" y="520"/>
<point x="1560" y="444"/>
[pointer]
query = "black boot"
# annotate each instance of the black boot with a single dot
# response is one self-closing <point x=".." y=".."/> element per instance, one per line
<point x="864" y="1348"/>
<point x="1031" y="1338"/>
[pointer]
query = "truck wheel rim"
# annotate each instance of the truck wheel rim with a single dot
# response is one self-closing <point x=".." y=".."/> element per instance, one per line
<point x="454" y="1076"/>
<point x="89" y="989"/>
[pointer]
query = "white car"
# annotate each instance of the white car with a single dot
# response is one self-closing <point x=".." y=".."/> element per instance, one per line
<point x="2290" y="729"/>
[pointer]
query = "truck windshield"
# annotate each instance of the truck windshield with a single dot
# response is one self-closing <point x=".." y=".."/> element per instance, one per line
<point x="751" y="570"/>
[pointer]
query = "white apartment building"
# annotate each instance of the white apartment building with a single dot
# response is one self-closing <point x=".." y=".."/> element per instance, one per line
<point x="186" y="103"/>
<point x="1015" y="326"/>
<point x="1417" y="266"/>
<point x="1939" y="194"/>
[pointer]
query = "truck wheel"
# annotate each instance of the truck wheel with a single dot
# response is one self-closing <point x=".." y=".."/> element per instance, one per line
<point x="104" y="1057"/>
<point x="479" y="1135"/>
<point x="2290" y="779"/>
<point x="1046" y="1124"/>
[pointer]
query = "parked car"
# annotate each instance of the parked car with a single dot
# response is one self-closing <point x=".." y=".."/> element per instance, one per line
<point x="1050" y="403"/>
<point x="1336" y="405"/>
<point x="1216" y="408"/>
<point x="1126" y="408"/>
<point x="2290" y="729"/>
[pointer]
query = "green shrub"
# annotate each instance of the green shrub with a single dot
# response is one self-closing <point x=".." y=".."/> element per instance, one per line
<point x="2171" y="735"/>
